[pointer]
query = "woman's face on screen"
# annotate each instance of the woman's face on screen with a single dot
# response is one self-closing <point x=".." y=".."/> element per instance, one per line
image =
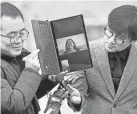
<point x="70" y="44"/>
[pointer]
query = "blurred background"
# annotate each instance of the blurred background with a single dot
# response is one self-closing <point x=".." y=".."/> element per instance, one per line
<point x="95" y="17"/>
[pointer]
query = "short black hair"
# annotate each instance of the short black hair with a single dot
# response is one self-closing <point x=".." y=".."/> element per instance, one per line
<point x="10" y="10"/>
<point x="124" y="18"/>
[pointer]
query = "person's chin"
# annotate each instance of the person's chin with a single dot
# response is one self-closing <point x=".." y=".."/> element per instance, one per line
<point x="16" y="52"/>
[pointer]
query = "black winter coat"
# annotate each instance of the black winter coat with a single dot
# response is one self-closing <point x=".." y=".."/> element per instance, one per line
<point x="21" y="87"/>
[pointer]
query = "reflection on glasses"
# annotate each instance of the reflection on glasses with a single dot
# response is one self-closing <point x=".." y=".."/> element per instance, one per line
<point x="118" y="39"/>
<point x="14" y="36"/>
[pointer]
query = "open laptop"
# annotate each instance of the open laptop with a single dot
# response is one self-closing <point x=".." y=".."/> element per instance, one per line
<point x="63" y="44"/>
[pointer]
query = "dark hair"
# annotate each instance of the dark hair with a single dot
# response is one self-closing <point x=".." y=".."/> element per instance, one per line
<point x="8" y="9"/>
<point x="67" y="49"/>
<point x="122" y="19"/>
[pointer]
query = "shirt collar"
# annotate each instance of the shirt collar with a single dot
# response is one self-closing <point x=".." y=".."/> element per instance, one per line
<point x="122" y="54"/>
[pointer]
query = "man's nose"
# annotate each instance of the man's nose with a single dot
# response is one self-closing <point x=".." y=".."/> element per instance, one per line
<point x="112" y="40"/>
<point x="18" y="39"/>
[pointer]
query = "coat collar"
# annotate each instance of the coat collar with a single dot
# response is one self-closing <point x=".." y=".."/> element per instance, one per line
<point x="129" y="70"/>
<point x="103" y="62"/>
<point x="122" y="54"/>
<point x="5" y="56"/>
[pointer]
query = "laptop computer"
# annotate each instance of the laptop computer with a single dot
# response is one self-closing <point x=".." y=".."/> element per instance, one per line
<point x="62" y="43"/>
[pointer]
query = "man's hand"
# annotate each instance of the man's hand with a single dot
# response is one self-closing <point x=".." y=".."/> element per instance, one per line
<point x="74" y="97"/>
<point x="32" y="61"/>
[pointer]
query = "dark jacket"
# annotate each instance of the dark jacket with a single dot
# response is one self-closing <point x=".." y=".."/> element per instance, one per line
<point x="19" y="86"/>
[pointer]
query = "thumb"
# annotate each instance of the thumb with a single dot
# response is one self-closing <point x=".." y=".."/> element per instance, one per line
<point x="34" y="53"/>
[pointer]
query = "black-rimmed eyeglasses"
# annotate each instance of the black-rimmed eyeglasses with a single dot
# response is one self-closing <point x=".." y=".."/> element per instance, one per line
<point x="14" y="37"/>
<point x="118" y="39"/>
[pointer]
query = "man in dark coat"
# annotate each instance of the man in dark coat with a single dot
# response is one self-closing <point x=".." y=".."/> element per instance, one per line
<point x="20" y="80"/>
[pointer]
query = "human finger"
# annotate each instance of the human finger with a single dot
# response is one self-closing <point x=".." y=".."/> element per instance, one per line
<point x="34" y="53"/>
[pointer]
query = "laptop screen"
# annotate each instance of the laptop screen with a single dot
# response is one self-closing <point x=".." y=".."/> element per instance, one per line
<point x="71" y="43"/>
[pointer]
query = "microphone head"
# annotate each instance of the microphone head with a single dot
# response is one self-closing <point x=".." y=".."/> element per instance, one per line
<point x="60" y="77"/>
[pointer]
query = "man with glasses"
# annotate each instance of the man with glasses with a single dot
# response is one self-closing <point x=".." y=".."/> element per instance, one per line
<point x="21" y="82"/>
<point x="110" y="87"/>
<point x="19" y="79"/>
